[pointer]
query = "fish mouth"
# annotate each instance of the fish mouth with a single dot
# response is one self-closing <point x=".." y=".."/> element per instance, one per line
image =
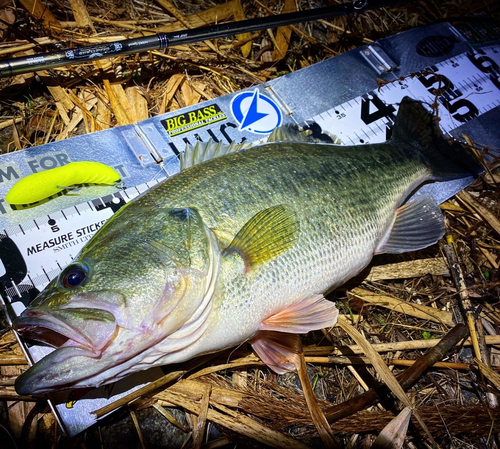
<point x="80" y="336"/>
<point x="78" y="327"/>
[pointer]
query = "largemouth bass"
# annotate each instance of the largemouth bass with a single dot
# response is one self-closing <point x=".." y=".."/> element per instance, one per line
<point x="239" y="246"/>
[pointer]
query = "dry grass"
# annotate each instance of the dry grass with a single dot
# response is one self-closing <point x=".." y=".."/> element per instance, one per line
<point x="400" y="317"/>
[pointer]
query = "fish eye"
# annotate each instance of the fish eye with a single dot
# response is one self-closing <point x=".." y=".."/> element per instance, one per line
<point x="73" y="276"/>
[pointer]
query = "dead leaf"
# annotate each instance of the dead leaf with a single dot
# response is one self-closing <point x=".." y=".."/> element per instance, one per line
<point x="393" y="435"/>
<point x="283" y="34"/>
<point x="239" y="14"/>
<point x="7" y="17"/>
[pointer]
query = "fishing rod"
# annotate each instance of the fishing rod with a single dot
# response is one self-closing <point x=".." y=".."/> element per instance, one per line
<point x="26" y="64"/>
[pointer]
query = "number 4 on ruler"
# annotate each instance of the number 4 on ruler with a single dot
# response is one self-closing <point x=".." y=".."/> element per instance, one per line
<point x="369" y="102"/>
<point x="382" y="109"/>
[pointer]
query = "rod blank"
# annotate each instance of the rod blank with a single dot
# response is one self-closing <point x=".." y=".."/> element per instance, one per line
<point x="26" y="64"/>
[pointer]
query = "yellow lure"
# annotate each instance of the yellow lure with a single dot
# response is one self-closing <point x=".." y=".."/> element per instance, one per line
<point x="39" y="186"/>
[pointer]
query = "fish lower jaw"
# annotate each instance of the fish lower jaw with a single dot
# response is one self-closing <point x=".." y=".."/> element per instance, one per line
<point x="57" y="371"/>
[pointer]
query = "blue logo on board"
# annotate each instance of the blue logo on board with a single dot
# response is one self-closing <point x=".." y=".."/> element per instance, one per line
<point x="255" y="112"/>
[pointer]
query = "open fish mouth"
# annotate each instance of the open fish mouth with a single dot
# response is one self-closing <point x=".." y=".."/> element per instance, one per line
<point x="89" y="329"/>
<point x="80" y="336"/>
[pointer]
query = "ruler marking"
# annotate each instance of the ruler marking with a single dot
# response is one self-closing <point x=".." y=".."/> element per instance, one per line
<point x="471" y="84"/>
<point x="31" y="280"/>
<point x="464" y="85"/>
<point x="477" y="80"/>
<point x="45" y="273"/>
<point x="22" y="230"/>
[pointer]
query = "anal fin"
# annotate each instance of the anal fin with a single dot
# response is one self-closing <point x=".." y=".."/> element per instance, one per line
<point x="418" y="224"/>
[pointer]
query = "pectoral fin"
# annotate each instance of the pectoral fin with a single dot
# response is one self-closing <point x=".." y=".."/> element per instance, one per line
<point x="418" y="224"/>
<point x="266" y="235"/>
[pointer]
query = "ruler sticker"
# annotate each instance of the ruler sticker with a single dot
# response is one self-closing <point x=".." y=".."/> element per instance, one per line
<point x="198" y="118"/>
<point x="39" y="248"/>
<point x="465" y="87"/>
<point x="9" y="173"/>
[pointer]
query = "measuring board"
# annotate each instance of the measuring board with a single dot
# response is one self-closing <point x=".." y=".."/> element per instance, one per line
<point x="354" y="96"/>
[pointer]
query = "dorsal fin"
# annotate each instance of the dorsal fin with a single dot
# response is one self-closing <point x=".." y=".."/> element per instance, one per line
<point x="292" y="133"/>
<point x="205" y="151"/>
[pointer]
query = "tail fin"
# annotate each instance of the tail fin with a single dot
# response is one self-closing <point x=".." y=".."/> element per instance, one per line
<point x="447" y="159"/>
